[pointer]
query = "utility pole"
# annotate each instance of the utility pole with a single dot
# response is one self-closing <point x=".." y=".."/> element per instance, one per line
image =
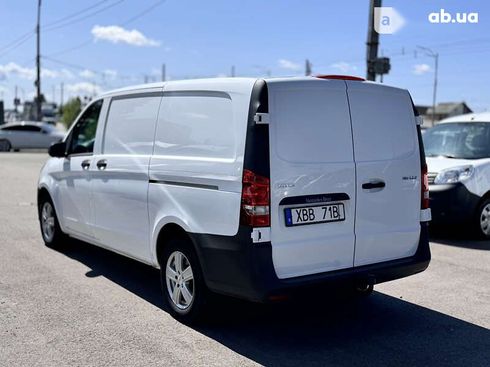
<point x="164" y="72"/>
<point x="16" y="100"/>
<point x="307" y="67"/>
<point x="38" y="63"/>
<point x="372" y="42"/>
<point x="62" y="86"/>
<point x="233" y="71"/>
<point x="434" y="55"/>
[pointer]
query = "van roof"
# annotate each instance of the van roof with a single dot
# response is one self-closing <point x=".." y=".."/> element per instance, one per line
<point x="225" y="84"/>
<point x="205" y="84"/>
<point x="469" y="117"/>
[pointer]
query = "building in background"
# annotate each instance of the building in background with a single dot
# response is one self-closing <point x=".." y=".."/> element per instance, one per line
<point x="442" y="111"/>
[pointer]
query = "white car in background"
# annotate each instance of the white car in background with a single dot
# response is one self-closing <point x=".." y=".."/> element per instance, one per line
<point x="458" y="159"/>
<point x="28" y="135"/>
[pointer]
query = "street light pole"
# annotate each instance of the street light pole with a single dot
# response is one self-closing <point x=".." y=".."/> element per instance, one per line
<point x="38" y="63"/>
<point x="434" y="55"/>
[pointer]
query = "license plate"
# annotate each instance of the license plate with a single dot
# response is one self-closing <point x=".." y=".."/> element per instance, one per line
<point x="314" y="214"/>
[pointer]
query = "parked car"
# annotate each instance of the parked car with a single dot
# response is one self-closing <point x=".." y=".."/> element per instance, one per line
<point x="458" y="158"/>
<point x="245" y="187"/>
<point x="28" y="135"/>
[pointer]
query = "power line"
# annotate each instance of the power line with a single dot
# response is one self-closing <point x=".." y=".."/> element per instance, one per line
<point x="18" y="39"/>
<point x="75" y="14"/>
<point x="126" y="22"/>
<point x="143" y="13"/>
<point x="78" y="20"/>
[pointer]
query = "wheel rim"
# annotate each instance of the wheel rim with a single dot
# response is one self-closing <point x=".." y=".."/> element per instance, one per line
<point x="47" y="221"/>
<point x="180" y="280"/>
<point x="485" y="220"/>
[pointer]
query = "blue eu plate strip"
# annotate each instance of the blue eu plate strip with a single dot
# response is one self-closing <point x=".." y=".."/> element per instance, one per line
<point x="288" y="216"/>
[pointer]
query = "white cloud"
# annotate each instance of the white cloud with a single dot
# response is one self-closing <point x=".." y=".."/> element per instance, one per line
<point x="420" y="69"/>
<point x="87" y="74"/>
<point x="83" y="89"/>
<point x="15" y="70"/>
<point x="67" y="74"/>
<point x="289" y="65"/>
<point x="344" y="67"/>
<point x="110" y="74"/>
<point x="116" y="34"/>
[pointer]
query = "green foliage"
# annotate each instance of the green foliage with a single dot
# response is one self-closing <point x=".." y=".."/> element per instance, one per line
<point x="71" y="109"/>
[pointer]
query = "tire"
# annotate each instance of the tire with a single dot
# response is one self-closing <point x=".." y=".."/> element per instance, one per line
<point x="51" y="232"/>
<point x="5" y="145"/>
<point x="363" y="291"/>
<point x="184" y="291"/>
<point x="482" y="220"/>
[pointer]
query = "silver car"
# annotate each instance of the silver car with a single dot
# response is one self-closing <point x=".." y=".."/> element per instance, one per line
<point x="28" y="135"/>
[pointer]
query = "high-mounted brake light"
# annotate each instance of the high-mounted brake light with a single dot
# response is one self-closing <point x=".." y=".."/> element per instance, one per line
<point x="255" y="200"/>
<point x="425" y="188"/>
<point x="341" y="77"/>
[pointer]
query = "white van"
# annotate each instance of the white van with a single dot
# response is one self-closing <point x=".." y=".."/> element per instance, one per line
<point x="458" y="158"/>
<point x="246" y="187"/>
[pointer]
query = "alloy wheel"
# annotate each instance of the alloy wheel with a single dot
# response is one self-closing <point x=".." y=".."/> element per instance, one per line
<point x="180" y="280"/>
<point x="48" y="221"/>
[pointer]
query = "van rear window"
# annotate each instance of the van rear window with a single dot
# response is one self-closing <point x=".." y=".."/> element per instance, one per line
<point x="312" y="125"/>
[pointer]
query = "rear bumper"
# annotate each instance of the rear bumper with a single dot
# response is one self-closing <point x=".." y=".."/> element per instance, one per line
<point x="235" y="266"/>
<point x="452" y="203"/>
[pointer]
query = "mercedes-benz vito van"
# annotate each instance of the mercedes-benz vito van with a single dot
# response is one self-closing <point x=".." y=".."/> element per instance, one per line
<point x="246" y="187"/>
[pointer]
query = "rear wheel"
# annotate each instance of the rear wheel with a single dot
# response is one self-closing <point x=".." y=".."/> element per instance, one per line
<point x="482" y="220"/>
<point x="50" y="228"/>
<point x="183" y="287"/>
<point x="363" y="290"/>
<point x="5" y="145"/>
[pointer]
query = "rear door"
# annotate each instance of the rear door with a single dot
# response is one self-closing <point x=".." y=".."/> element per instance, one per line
<point x="312" y="177"/>
<point x="388" y="173"/>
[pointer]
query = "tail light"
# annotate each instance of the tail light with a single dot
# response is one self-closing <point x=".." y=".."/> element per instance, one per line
<point x="255" y="200"/>
<point x="425" y="188"/>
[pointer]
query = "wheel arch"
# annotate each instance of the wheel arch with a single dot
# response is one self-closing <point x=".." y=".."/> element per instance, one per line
<point x="43" y="191"/>
<point x="485" y="197"/>
<point x="165" y="233"/>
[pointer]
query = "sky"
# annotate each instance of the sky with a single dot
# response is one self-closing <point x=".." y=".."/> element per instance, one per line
<point x="96" y="45"/>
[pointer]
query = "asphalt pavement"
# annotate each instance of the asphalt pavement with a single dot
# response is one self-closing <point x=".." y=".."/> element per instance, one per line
<point x="85" y="306"/>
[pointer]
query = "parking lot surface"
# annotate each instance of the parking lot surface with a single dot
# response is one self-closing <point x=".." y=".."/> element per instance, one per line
<point x="87" y="306"/>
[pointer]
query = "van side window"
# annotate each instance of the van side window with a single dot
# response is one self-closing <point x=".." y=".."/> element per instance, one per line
<point x="196" y="124"/>
<point x="130" y="125"/>
<point x="83" y="134"/>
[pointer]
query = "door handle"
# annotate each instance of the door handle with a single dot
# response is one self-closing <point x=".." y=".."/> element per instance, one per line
<point x="374" y="185"/>
<point x="102" y="164"/>
<point x="86" y="164"/>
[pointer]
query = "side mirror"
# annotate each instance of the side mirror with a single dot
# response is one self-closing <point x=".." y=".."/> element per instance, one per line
<point x="57" y="150"/>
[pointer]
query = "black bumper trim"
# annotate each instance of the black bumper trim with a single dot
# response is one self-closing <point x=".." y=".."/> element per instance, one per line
<point x="235" y="266"/>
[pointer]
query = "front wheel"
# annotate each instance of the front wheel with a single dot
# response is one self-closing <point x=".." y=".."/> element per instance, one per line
<point x="482" y="224"/>
<point x="50" y="228"/>
<point x="184" y="290"/>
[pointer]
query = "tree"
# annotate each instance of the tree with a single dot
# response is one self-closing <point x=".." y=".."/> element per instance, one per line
<point x="71" y="109"/>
